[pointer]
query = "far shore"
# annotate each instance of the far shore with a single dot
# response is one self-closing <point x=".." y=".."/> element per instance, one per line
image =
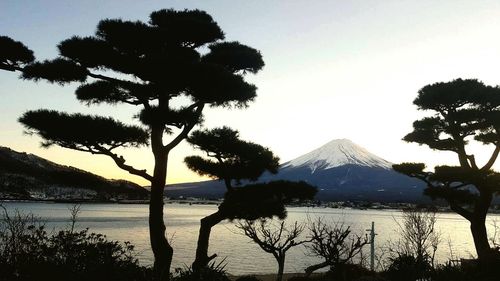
<point x="494" y="209"/>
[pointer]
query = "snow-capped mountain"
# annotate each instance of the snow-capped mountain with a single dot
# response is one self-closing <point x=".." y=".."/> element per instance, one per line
<point x="341" y="169"/>
<point x="337" y="153"/>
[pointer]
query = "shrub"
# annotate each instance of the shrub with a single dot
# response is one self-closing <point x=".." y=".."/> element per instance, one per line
<point x="212" y="272"/>
<point x="449" y="272"/>
<point x="28" y="252"/>
<point x="407" y="268"/>
<point x="468" y="270"/>
<point x="346" y="272"/>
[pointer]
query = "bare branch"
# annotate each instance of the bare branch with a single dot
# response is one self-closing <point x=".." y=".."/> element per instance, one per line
<point x="335" y="244"/>
<point x="276" y="240"/>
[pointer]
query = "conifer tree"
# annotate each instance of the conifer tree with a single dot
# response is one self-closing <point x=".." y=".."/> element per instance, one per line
<point x="463" y="110"/>
<point x="170" y="68"/>
<point x="233" y="160"/>
<point x="14" y="55"/>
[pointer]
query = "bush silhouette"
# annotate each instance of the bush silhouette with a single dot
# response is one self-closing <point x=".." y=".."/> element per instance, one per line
<point x="65" y="255"/>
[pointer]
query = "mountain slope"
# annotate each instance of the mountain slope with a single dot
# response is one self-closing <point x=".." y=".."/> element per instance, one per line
<point x="27" y="176"/>
<point x="341" y="169"/>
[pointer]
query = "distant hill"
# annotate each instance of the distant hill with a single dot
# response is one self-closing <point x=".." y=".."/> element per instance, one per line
<point x="341" y="169"/>
<point x="27" y="176"/>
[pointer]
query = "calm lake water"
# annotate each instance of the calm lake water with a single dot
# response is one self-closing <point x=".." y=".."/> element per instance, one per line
<point x="129" y="223"/>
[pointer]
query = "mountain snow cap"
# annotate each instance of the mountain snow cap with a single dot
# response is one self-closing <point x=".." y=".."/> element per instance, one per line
<point x="337" y="153"/>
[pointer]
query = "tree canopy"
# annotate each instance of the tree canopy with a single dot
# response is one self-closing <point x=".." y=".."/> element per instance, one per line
<point x="463" y="110"/>
<point x="232" y="159"/>
<point x="170" y="67"/>
<point x="229" y="157"/>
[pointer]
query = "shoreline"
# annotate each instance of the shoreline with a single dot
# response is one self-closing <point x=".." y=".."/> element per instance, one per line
<point x="330" y="205"/>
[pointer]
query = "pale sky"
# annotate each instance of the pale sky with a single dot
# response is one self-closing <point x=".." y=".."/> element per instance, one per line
<point x="334" y="69"/>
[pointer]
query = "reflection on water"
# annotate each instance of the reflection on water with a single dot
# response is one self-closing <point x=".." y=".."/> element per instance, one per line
<point x="130" y="223"/>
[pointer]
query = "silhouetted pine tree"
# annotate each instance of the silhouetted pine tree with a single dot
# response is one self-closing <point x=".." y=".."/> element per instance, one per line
<point x="462" y="110"/>
<point x="233" y="160"/>
<point x="169" y="67"/>
<point x="14" y="55"/>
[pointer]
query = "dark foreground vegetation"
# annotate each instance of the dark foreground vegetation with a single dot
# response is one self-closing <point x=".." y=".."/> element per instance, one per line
<point x="28" y="251"/>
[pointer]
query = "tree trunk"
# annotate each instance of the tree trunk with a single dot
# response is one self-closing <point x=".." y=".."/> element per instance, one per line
<point x="480" y="236"/>
<point x="478" y="224"/>
<point x="281" y="266"/>
<point x="162" y="250"/>
<point x="206" y="225"/>
<point x="312" y="268"/>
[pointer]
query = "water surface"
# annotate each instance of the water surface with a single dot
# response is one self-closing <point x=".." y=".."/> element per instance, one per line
<point x="129" y="222"/>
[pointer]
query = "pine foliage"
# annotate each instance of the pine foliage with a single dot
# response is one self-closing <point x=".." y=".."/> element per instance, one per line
<point x="463" y="110"/>
<point x="229" y="157"/>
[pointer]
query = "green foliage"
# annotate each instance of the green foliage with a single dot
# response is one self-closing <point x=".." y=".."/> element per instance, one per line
<point x="28" y="252"/>
<point x="81" y="131"/>
<point x="14" y="53"/>
<point x="234" y="159"/>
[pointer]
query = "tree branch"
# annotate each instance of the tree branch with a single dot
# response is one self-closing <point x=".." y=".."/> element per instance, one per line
<point x="493" y="158"/>
<point x="120" y="162"/>
<point x="460" y="210"/>
<point x="106" y="78"/>
<point x="472" y="161"/>
<point x="187" y="128"/>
